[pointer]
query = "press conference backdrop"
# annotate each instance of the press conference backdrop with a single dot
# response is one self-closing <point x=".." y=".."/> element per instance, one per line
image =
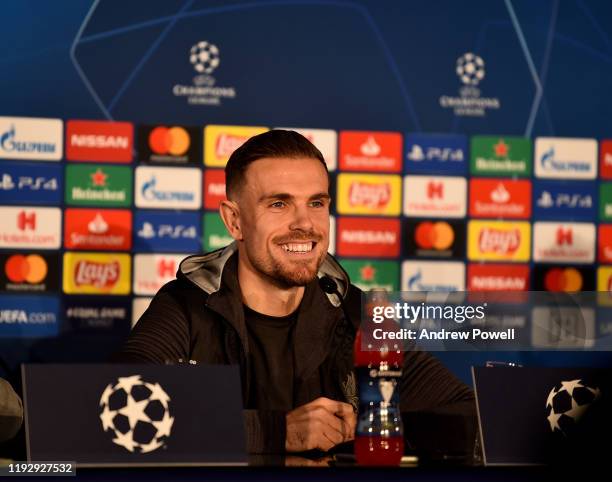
<point x="468" y="144"/>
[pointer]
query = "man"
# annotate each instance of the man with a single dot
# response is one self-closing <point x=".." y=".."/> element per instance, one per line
<point x="258" y="303"/>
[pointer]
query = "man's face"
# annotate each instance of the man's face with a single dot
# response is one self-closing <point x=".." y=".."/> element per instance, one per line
<point x="284" y="218"/>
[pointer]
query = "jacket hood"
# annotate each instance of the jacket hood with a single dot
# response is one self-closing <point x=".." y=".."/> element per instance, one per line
<point x="205" y="270"/>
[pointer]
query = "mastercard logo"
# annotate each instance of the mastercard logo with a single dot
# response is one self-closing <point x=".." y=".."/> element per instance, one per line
<point x="434" y="235"/>
<point x="29" y="269"/>
<point x="169" y="140"/>
<point x="563" y="279"/>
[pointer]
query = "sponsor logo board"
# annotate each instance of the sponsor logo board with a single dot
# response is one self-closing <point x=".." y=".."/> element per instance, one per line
<point x="215" y="235"/>
<point x="605" y="201"/>
<point x="93" y="141"/>
<point x="605" y="243"/>
<point x="498" y="277"/>
<point x="434" y="239"/>
<point x="97" y="273"/>
<point x="31" y="138"/>
<point x="435" y="196"/>
<point x="564" y="200"/>
<point x="28" y="316"/>
<point x="499" y="240"/>
<point x="435" y="153"/>
<point x="605" y="159"/>
<point x="166" y="231"/>
<point x="168" y="187"/>
<point x="214" y="188"/>
<point x="441" y="276"/>
<point x="372" y="274"/>
<point x="368" y="237"/>
<point x="94" y="315"/>
<point x="30" y="227"/>
<point x="369" y="194"/>
<point x="221" y="141"/>
<point x="500" y="156"/>
<point x="25" y="183"/>
<point x="565" y="158"/>
<point x="98" y="185"/>
<point x="29" y="272"/>
<point x="500" y="198"/>
<point x="98" y="229"/>
<point x="564" y="242"/>
<point x="370" y="151"/>
<point x="152" y="271"/>
<point x="326" y="140"/>
<point x="563" y="278"/>
<point x="169" y="144"/>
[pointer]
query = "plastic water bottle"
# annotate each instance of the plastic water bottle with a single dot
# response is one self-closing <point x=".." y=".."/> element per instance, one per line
<point x="379" y="438"/>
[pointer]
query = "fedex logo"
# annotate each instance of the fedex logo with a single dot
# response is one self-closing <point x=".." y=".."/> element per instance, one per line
<point x="158" y="231"/>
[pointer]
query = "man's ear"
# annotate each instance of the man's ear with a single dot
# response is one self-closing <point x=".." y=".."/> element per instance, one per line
<point x="230" y="214"/>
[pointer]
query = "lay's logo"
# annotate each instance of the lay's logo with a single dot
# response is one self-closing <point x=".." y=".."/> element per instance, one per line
<point x="369" y="194"/>
<point x="498" y="240"/>
<point x="95" y="273"/>
<point x="221" y="141"/>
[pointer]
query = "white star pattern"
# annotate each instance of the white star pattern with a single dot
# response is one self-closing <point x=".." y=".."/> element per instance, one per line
<point x="553" y="420"/>
<point x="135" y="411"/>
<point x="107" y="418"/>
<point x="164" y="425"/>
<point x="128" y="382"/>
<point x="125" y="440"/>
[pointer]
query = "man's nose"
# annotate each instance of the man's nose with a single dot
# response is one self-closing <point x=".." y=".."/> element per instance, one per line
<point x="301" y="219"/>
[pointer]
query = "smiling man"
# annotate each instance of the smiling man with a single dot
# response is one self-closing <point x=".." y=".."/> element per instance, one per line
<point x="259" y="303"/>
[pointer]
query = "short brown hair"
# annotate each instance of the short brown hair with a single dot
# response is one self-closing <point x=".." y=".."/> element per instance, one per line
<point x="271" y="144"/>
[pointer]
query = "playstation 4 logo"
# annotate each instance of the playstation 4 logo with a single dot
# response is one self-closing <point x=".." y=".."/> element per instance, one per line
<point x="557" y="201"/>
<point x="163" y="232"/>
<point x="434" y="153"/>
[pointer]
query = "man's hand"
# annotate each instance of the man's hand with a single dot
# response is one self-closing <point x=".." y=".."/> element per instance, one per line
<point x="320" y="424"/>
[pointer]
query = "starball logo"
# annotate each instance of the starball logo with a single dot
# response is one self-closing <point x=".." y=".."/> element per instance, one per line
<point x="205" y="58"/>
<point x="369" y="194"/>
<point x="470" y="68"/>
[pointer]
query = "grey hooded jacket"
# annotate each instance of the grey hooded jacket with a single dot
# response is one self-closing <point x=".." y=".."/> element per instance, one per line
<point x="199" y="317"/>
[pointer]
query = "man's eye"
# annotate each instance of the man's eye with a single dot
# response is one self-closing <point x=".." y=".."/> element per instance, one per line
<point x="317" y="204"/>
<point x="277" y="204"/>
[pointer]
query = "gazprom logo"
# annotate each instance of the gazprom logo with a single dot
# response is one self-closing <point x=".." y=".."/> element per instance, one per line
<point x="9" y="143"/>
<point x="150" y="192"/>
<point x="564" y="158"/>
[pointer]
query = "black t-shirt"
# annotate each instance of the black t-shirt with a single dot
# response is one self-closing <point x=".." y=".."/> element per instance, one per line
<point x="271" y="357"/>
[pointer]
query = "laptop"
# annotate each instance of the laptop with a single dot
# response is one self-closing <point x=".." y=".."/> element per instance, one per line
<point x="537" y="416"/>
<point x="134" y="415"/>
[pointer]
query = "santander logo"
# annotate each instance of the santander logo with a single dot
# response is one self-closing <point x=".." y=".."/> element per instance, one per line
<point x="504" y="242"/>
<point x="369" y="194"/>
<point x="500" y="194"/>
<point x="100" y="275"/>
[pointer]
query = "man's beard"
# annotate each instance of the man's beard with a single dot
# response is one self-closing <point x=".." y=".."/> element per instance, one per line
<point x="290" y="274"/>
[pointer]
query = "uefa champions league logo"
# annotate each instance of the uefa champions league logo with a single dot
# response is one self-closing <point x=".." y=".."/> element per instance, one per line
<point x="136" y="414"/>
<point x="470" y="69"/>
<point x="204" y="57"/>
<point x="567" y="403"/>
